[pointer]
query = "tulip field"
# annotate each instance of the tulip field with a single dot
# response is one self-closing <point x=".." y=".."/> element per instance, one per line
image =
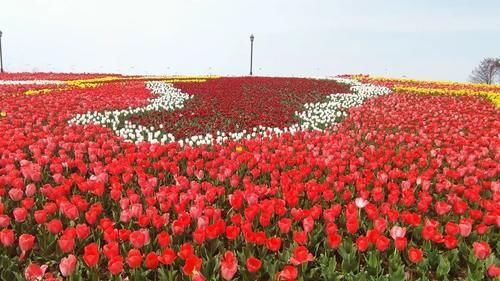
<point x="111" y="177"/>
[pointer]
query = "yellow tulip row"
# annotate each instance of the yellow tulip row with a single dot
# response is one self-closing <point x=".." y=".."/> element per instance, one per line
<point x="48" y="91"/>
<point x="83" y="83"/>
<point x="184" y="81"/>
<point x="405" y="85"/>
<point x="92" y="83"/>
<point x="37" y="92"/>
<point x="415" y="81"/>
<point x="491" y="96"/>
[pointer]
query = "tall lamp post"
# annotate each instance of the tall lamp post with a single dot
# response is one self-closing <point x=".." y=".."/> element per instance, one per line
<point x="251" y="52"/>
<point x="1" y="59"/>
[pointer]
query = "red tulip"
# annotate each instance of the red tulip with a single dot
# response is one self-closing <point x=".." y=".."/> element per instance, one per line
<point x="16" y="194"/>
<point x="371" y="211"/>
<point x="459" y="207"/>
<point x="26" y="242"/>
<point x="7" y="237"/>
<point x="151" y="261"/>
<point x="111" y="250"/>
<point x="137" y="239"/>
<point x="481" y="229"/>
<point x="372" y="235"/>
<point x="54" y="226"/>
<point x="214" y="230"/>
<point x="178" y="227"/>
<point x="232" y="232"/>
<point x="186" y="251"/>
<point x="481" y="249"/>
<point x="259" y="237"/>
<point x="199" y="236"/>
<point x="91" y="254"/>
<point x="400" y="243"/>
<point x="30" y="190"/>
<point x="115" y="265"/>
<point x="493" y="271"/>
<point x="192" y="265"/>
<point x="415" y="255"/>
<point x="300" y="237"/>
<point x="167" y="257"/>
<point x="4" y="219"/>
<point x="352" y="225"/>
<point x="163" y="239"/>
<point x="398" y="232"/>
<point x="253" y="264"/>
<point x="134" y="258"/>
<point x="66" y="243"/>
<point x="380" y="225"/>
<point x="428" y="232"/>
<point x="70" y="232"/>
<point x="451" y="228"/>
<point x="124" y="234"/>
<point x="450" y="242"/>
<point x="301" y="255"/>
<point x="67" y="265"/>
<point x="382" y="243"/>
<point x="331" y="228"/>
<point x="308" y="224"/>
<point x="70" y="211"/>
<point x="442" y="208"/>
<point x="334" y="240"/>
<point x="82" y="230"/>
<point x="20" y="214"/>
<point x="228" y="265"/>
<point x="284" y="225"/>
<point x="34" y="272"/>
<point x="362" y="243"/>
<point x="197" y="276"/>
<point x="465" y="227"/>
<point x="273" y="244"/>
<point x="475" y="214"/>
<point x="289" y="273"/>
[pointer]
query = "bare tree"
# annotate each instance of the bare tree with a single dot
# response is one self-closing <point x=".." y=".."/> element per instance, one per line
<point x="487" y="71"/>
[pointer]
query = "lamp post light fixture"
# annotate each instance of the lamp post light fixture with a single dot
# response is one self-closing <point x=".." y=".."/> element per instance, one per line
<point x="251" y="52"/>
<point x="1" y="59"/>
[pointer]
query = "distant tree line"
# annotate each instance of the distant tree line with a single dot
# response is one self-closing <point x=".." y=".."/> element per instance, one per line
<point x="487" y="72"/>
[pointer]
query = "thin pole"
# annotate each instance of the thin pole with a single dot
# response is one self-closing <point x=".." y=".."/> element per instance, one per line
<point x="251" y="54"/>
<point x="1" y="59"/>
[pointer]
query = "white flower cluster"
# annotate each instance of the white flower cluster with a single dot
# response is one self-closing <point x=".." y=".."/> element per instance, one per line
<point x="316" y="116"/>
<point x="31" y="82"/>
<point x="169" y="98"/>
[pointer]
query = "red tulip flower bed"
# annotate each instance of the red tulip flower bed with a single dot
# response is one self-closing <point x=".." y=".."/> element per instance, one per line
<point x="239" y="103"/>
<point x="405" y="187"/>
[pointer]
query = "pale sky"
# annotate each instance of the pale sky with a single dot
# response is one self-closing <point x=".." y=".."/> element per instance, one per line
<point x="426" y="39"/>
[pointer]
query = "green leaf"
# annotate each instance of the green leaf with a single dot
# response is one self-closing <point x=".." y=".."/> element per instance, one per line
<point x="349" y="263"/>
<point x="164" y="276"/>
<point x="398" y="274"/>
<point x="454" y="260"/>
<point x="473" y="275"/>
<point x="7" y="275"/>
<point x="444" y="267"/>
<point x="373" y="263"/>
<point x="19" y="276"/>
<point x="328" y="268"/>
<point x="360" y="276"/>
<point x="342" y="251"/>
